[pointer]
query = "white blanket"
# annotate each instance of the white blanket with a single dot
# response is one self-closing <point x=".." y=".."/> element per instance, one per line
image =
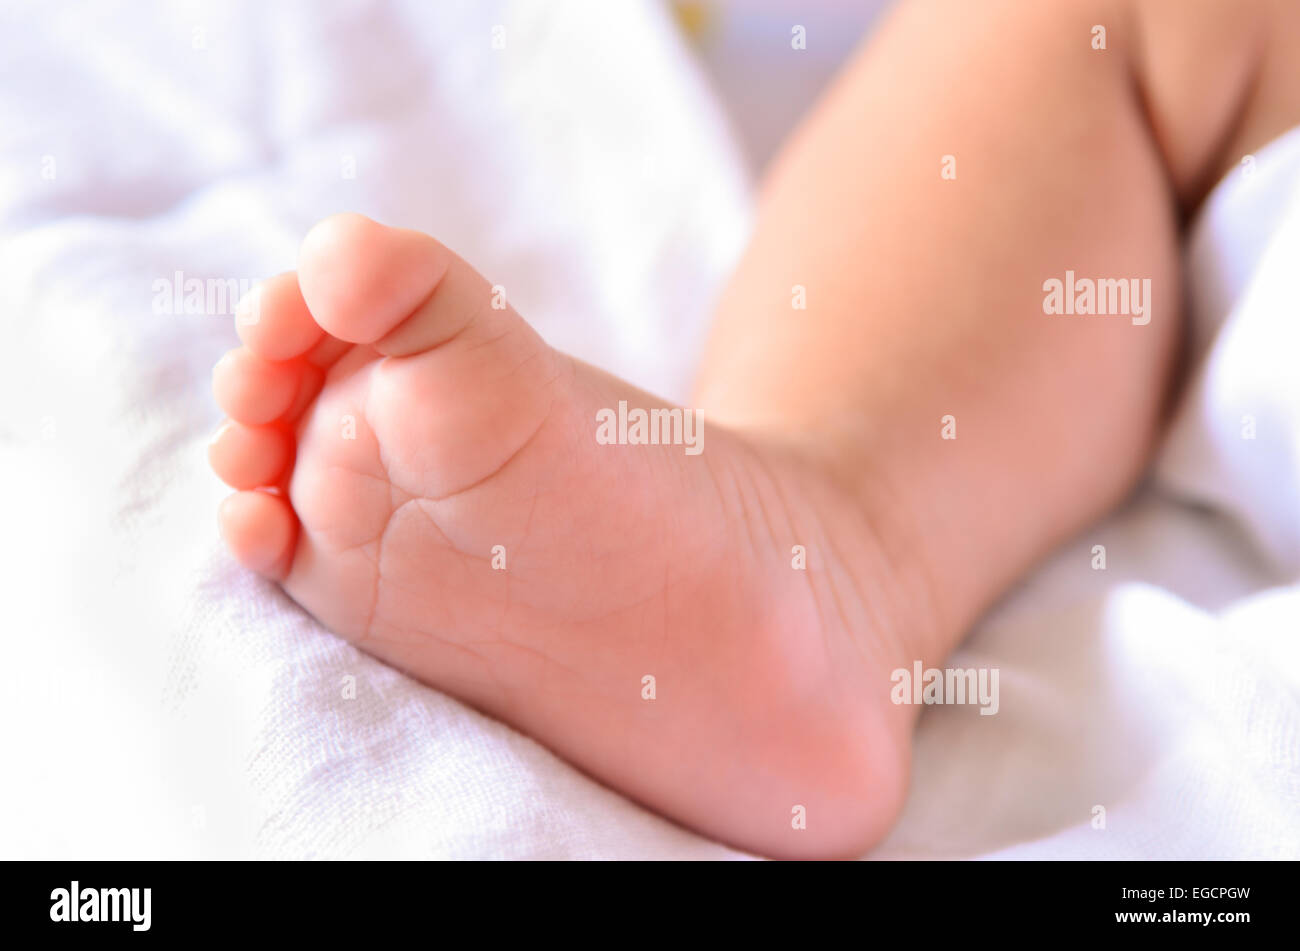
<point x="158" y="701"/>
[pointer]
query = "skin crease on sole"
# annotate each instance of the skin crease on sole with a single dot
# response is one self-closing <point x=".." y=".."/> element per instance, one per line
<point x="421" y="473"/>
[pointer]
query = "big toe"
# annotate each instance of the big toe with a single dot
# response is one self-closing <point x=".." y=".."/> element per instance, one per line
<point x="360" y="279"/>
<point x="401" y="291"/>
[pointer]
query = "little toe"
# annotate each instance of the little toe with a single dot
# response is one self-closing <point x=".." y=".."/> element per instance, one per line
<point x="260" y="529"/>
<point x="273" y="321"/>
<point x="246" y="457"/>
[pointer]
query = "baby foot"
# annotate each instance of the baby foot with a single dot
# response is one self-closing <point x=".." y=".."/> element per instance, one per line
<point x="421" y="472"/>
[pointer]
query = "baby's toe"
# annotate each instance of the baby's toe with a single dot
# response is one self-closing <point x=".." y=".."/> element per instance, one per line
<point x="260" y="529"/>
<point x="252" y="390"/>
<point x="246" y="457"/>
<point x="273" y="320"/>
<point x="361" y="279"/>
